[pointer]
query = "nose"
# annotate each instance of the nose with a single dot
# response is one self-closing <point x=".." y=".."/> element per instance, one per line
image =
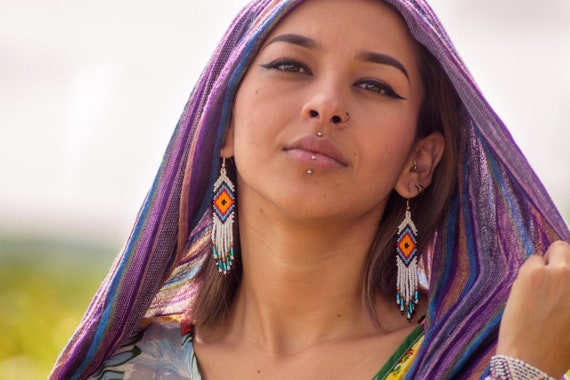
<point x="327" y="104"/>
<point x="336" y="119"/>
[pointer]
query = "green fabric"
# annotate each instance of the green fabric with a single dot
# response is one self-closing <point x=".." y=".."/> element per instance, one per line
<point x="400" y="352"/>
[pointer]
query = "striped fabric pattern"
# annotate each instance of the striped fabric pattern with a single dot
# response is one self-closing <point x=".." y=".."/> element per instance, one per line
<point x="500" y="215"/>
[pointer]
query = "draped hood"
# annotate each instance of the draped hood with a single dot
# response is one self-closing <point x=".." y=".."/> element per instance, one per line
<point x="499" y="215"/>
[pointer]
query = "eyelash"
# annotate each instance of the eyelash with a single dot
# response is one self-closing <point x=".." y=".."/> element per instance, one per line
<point x="379" y="88"/>
<point x="287" y="65"/>
<point x="293" y="66"/>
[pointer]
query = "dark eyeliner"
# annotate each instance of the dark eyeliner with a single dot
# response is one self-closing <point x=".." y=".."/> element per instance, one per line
<point x="388" y="90"/>
<point x="285" y="62"/>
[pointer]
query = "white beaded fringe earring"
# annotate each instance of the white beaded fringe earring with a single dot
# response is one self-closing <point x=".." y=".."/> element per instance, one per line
<point x="407" y="292"/>
<point x="223" y="205"/>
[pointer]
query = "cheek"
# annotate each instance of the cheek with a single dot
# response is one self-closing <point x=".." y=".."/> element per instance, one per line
<point x="389" y="134"/>
<point x="244" y="119"/>
<point x="261" y="115"/>
<point x="242" y="106"/>
<point x="254" y="125"/>
<point x="385" y="147"/>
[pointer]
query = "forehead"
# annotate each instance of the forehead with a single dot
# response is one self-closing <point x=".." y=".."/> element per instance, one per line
<point x="358" y="24"/>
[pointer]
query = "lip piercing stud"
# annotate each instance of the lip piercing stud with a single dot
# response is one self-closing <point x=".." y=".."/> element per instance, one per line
<point x="313" y="157"/>
<point x="310" y="171"/>
<point x="320" y="134"/>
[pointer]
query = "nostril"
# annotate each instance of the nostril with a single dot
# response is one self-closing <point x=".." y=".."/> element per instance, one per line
<point x="336" y="119"/>
<point x="313" y="113"/>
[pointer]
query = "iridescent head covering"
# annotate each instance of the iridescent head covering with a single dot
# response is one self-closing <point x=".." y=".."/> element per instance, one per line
<point x="499" y="215"/>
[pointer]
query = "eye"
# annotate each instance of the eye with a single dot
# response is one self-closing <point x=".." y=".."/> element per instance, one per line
<point x="287" y="65"/>
<point x="379" y="88"/>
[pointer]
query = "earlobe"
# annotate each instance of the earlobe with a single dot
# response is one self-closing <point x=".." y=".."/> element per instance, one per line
<point x="418" y="171"/>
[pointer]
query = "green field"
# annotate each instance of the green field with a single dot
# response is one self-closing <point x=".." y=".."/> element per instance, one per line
<point x="46" y="286"/>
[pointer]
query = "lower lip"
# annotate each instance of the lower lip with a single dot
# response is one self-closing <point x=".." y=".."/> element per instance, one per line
<point x="314" y="160"/>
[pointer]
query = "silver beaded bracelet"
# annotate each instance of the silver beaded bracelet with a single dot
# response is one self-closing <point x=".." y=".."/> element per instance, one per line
<point x="507" y="368"/>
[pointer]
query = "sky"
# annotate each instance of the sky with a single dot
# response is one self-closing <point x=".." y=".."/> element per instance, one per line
<point x="90" y="92"/>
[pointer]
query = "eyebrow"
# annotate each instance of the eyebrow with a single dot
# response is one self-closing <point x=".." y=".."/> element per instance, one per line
<point x="383" y="59"/>
<point x="296" y="39"/>
<point x="365" y="56"/>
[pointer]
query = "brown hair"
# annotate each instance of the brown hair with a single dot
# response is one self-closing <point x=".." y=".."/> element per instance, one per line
<point x="440" y="112"/>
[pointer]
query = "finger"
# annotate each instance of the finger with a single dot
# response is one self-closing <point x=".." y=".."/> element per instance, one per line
<point x="558" y="254"/>
<point x="535" y="260"/>
<point x="532" y="264"/>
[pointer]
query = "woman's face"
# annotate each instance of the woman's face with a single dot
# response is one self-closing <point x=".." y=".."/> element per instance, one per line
<point x="327" y="59"/>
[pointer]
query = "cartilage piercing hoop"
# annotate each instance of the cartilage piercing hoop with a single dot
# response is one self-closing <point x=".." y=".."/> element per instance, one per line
<point x="420" y="188"/>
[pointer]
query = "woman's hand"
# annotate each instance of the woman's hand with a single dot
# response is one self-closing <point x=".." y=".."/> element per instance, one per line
<point x="536" y="324"/>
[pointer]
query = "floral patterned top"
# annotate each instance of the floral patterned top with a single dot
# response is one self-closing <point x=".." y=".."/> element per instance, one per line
<point x="161" y="352"/>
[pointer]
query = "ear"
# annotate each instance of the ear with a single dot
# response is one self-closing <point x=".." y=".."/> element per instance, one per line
<point x="418" y="170"/>
<point x="227" y="150"/>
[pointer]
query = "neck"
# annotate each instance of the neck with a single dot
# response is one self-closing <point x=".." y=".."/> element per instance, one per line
<point x="301" y="282"/>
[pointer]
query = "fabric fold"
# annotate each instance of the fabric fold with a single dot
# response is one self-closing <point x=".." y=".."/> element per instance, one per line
<point x="499" y="215"/>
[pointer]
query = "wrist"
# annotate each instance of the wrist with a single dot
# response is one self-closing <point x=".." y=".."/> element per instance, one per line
<point x="508" y="368"/>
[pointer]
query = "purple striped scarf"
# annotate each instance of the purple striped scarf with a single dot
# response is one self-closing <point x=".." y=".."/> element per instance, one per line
<point x="500" y="214"/>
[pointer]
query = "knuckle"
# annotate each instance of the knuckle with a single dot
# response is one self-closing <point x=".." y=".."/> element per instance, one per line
<point x="562" y="272"/>
<point x="560" y="245"/>
<point x="530" y="274"/>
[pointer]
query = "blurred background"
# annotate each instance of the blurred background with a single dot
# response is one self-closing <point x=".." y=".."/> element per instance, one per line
<point x="90" y="92"/>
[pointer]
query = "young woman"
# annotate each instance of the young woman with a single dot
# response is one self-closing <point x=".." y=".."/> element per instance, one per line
<point x="356" y="157"/>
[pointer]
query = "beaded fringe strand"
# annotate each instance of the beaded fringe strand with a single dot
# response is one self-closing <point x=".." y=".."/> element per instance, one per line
<point x="407" y="293"/>
<point x="223" y="206"/>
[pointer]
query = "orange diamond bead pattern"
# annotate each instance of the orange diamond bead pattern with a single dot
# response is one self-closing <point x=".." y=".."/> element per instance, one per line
<point x="224" y="202"/>
<point x="406" y="245"/>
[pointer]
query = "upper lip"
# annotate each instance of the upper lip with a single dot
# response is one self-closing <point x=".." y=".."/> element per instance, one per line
<point x="319" y="146"/>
